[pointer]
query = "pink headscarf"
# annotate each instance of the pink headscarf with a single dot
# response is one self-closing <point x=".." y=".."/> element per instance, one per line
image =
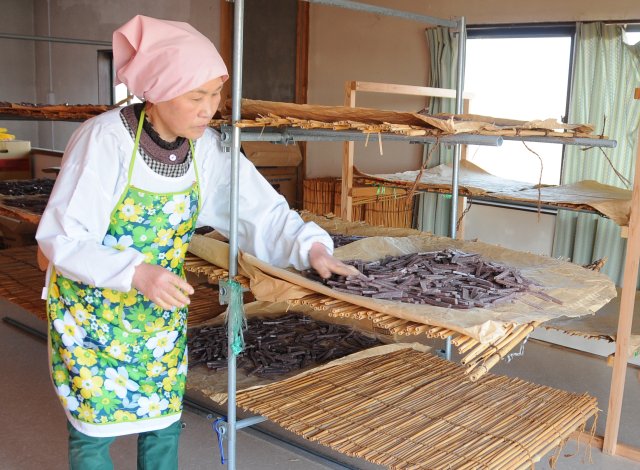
<point x="160" y="60"/>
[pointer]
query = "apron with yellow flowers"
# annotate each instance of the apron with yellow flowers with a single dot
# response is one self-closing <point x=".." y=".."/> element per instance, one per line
<point x="118" y="361"/>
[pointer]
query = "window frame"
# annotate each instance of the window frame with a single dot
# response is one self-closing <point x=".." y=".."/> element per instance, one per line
<point x="524" y="30"/>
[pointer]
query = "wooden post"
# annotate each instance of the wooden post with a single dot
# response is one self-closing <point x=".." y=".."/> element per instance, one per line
<point x="346" y="199"/>
<point x="226" y="44"/>
<point x="302" y="81"/>
<point x="627" y="299"/>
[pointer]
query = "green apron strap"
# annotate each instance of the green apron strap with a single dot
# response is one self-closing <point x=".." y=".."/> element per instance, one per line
<point x="195" y="168"/>
<point x="135" y="146"/>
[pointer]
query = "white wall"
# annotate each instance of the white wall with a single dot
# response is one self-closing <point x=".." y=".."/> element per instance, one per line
<point x="74" y="67"/>
<point x="17" y="63"/>
<point x="514" y="229"/>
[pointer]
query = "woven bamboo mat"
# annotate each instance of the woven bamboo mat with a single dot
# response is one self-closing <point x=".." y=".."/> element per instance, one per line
<point x="213" y="273"/>
<point x="478" y="358"/>
<point x="21" y="214"/>
<point x="56" y="112"/>
<point x="256" y="113"/>
<point x="21" y="283"/>
<point x="413" y="410"/>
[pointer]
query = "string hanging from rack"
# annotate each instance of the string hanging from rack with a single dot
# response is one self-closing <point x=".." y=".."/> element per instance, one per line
<point x="620" y="176"/>
<point x="464" y="212"/>
<point x="539" y="202"/>
<point x="424" y="166"/>
<point x="235" y="316"/>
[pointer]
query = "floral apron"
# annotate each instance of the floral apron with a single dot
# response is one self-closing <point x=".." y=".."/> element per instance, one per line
<point x="118" y="361"/>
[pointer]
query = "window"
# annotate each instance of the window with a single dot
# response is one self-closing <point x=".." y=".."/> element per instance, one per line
<point x="632" y="35"/>
<point x="519" y="73"/>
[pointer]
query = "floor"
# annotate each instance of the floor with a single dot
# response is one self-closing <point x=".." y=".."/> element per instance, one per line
<point x="33" y="435"/>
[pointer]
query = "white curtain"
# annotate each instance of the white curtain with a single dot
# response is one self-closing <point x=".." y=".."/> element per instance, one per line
<point x="606" y="72"/>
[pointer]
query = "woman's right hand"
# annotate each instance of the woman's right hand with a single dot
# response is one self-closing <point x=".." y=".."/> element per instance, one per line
<point x="162" y="287"/>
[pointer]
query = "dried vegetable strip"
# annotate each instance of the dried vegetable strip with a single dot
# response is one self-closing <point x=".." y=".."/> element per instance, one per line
<point x="278" y="346"/>
<point x="341" y="240"/>
<point x="409" y="409"/>
<point x="448" y="278"/>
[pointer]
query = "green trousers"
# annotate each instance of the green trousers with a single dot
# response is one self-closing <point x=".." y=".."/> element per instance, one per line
<point x="157" y="450"/>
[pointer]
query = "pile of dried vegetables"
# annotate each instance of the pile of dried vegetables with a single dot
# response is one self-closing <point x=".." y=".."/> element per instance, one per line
<point x="446" y="278"/>
<point x="277" y="346"/>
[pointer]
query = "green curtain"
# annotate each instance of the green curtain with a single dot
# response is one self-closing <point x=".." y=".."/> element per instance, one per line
<point x="606" y="72"/>
<point x="434" y="210"/>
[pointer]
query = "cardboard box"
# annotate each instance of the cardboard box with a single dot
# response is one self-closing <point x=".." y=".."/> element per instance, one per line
<point x="278" y="164"/>
<point x="269" y="154"/>
<point x="284" y="180"/>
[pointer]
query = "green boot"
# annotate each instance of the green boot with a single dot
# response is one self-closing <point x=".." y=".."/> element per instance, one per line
<point x="88" y="453"/>
<point x="158" y="450"/>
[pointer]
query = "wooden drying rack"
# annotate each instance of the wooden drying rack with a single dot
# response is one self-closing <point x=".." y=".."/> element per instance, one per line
<point x="350" y="91"/>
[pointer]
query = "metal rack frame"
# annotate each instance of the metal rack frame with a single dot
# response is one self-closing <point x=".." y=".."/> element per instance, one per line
<point x="236" y="137"/>
<point x="232" y="136"/>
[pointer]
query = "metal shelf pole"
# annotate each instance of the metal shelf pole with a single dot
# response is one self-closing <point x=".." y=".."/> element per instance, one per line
<point x="462" y="39"/>
<point x="25" y="37"/>
<point x="238" y="25"/>
<point x="292" y="134"/>
<point x="349" y="5"/>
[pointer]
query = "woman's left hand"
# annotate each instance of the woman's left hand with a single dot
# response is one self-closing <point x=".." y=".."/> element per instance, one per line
<point x="325" y="264"/>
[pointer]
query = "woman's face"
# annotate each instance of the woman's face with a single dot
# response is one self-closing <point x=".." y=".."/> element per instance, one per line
<point x="187" y="115"/>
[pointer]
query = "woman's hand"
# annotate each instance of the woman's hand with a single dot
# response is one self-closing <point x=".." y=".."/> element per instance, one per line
<point x="161" y="286"/>
<point x="325" y="264"/>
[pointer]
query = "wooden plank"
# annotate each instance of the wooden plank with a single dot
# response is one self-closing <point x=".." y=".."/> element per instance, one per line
<point x="622" y="450"/>
<point x="374" y="87"/>
<point x="627" y="300"/>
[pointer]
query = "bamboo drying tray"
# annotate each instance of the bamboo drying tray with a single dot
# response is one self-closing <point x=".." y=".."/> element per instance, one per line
<point x="606" y="200"/>
<point x="194" y="264"/>
<point x="54" y="112"/>
<point x="409" y="409"/>
<point x="21" y="283"/>
<point x="257" y="113"/>
<point x="478" y="358"/>
<point x="20" y="214"/>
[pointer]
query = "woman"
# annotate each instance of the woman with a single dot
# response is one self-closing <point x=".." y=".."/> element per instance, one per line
<point x="135" y="183"/>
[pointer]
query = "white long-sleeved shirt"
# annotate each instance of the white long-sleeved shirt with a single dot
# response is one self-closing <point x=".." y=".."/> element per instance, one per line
<point x="94" y="175"/>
